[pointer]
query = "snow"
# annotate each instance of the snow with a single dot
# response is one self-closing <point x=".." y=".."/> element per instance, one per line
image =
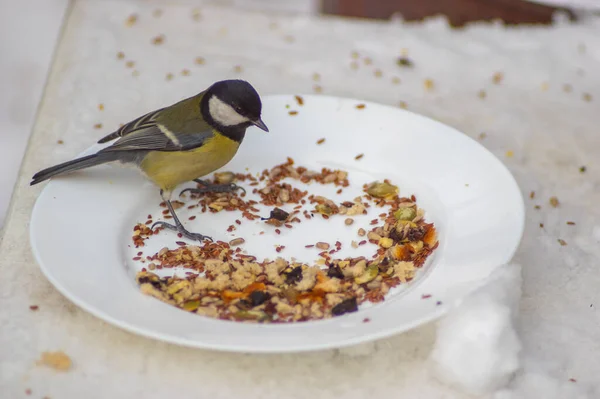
<point x="477" y="348"/>
<point x="539" y="380"/>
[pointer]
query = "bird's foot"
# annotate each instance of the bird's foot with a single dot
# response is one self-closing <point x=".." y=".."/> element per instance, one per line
<point x="182" y="230"/>
<point x="213" y="188"/>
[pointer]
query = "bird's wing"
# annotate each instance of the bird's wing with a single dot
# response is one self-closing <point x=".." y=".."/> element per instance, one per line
<point x="156" y="137"/>
<point x="182" y="115"/>
<point x="133" y="126"/>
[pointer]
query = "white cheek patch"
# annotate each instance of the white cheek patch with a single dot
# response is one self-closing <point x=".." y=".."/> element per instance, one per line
<point x="224" y="114"/>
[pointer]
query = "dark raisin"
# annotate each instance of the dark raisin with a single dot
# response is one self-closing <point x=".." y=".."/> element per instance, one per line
<point x="258" y="298"/>
<point x="394" y="235"/>
<point x="415" y="234"/>
<point x="155" y="284"/>
<point x="384" y="265"/>
<point x="270" y="308"/>
<point x="348" y="204"/>
<point x="279" y="214"/>
<point x="144" y="280"/>
<point x="294" y="276"/>
<point x="335" y="271"/>
<point x="346" y="306"/>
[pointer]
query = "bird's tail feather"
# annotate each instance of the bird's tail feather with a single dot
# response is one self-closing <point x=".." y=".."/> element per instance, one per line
<point x="71" y="166"/>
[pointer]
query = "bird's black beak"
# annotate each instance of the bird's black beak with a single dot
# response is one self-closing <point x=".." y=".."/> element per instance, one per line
<point x="260" y="124"/>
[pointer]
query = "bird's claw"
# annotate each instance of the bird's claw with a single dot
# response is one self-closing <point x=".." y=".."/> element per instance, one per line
<point x="214" y="188"/>
<point x="182" y="231"/>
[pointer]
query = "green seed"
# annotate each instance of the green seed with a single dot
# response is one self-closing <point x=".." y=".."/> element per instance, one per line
<point x="405" y="214"/>
<point x="368" y="275"/>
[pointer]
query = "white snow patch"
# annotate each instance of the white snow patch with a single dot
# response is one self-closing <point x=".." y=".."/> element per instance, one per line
<point x="478" y="351"/>
<point x="477" y="348"/>
<point x="538" y="380"/>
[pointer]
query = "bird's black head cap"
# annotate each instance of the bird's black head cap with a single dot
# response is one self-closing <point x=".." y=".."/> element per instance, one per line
<point x="232" y="95"/>
<point x="240" y="95"/>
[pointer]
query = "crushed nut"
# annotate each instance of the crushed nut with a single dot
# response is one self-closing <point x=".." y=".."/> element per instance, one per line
<point x="237" y="241"/>
<point x="196" y="14"/>
<point x="57" y="360"/>
<point x="497" y="78"/>
<point x="158" y="40"/>
<point x="322" y="245"/>
<point x="224" y="282"/>
<point x="404" y="62"/>
<point x="131" y="20"/>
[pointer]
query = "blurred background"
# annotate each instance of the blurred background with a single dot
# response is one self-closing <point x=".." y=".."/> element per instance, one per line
<point x="31" y="29"/>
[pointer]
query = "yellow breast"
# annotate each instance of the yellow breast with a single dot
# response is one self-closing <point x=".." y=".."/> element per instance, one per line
<point x="168" y="169"/>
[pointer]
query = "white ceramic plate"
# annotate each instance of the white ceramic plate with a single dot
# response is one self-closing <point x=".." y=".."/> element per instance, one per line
<point x="81" y="225"/>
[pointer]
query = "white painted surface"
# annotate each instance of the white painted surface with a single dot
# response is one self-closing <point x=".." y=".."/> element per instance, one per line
<point x="29" y="30"/>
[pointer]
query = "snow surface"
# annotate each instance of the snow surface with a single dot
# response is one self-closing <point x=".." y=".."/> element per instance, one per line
<point x="478" y="350"/>
<point x="477" y="347"/>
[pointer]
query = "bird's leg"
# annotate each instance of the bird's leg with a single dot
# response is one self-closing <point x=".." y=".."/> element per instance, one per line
<point x="213" y="188"/>
<point x="178" y="226"/>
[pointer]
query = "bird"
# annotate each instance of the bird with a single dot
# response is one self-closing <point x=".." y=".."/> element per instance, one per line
<point x="179" y="143"/>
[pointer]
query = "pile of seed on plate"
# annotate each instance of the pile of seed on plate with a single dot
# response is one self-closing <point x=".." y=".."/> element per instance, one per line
<point x="224" y="283"/>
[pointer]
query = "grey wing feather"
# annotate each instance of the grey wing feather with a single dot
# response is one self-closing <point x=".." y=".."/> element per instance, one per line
<point x="151" y="138"/>
<point x="133" y="126"/>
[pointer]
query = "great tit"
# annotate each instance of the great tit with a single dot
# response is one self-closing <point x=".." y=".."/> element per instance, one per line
<point x="180" y="143"/>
